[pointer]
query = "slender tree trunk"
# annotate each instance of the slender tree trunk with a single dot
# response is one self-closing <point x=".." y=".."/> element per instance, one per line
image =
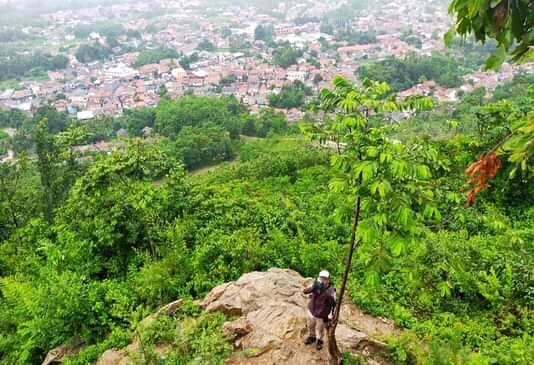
<point x="333" y="349"/>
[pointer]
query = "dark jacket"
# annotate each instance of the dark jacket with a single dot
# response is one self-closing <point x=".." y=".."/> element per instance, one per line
<point x="323" y="300"/>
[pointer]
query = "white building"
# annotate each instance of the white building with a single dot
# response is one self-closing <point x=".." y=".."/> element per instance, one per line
<point x="87" y="114"/>
<point x="120" y="72"/>
<point x="297" y="75"/>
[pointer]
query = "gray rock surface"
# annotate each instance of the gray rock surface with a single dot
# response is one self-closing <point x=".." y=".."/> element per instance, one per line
<point x="272" y="321"/>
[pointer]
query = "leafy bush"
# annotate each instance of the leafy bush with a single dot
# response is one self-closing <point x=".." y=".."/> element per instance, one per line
<point x="291" y="96"/>
<point x="196" y="340"/>
<point x="285" y="55"/>
<point x="205" y="145"/>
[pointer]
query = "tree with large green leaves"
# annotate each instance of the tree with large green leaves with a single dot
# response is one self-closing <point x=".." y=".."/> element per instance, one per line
<point x="511" y="24"/>
<point x="172" y="115"/>
<point x="389" y="181"/>
<point x="204" y="145"/>
<point x="57" y="163"/>
<point x="18" y="190"/>
<point x="290" y="96"/>
<point x="115" y="211"/>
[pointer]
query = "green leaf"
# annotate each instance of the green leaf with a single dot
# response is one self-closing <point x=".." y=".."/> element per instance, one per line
<point x="444" y="288"/>
<point x="473" y="7"/>
<point x="448" y="37"/>
<point x="432" y="211"/>
<point x="423" y="172"/>
<point x="367" y="169"/>
<point x="495" y="61"/>
<point x="372" y="278"/>
<point x="384" y="187"/>
<point x="372" y="151"/>
<point x="398" y="246"/>
<point x="380" y="219"/>
<point x="403" y="214"/>
<point x="338" y="185"/>
<point x="385" y="157"/>
<point x="348" y="104"/>
<point x="367" y="231"/>
<point x="374" y="187"/>
<point x="399" y="168"/>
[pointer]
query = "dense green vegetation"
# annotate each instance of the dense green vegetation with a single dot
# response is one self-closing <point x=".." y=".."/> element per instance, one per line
<point x="352" y="37"/>
<point x="266" y="122"/>
<point x="155" y="55"/>
<point x="286" y="55"/>
<point x="105" y="29"/>
<point x="4" y="142"/>
<point x="11" y="35"/>
<point x="404" y="73"/>
<point x="89" y="249"/>
<point x="206" y="45"/>
<point x="264" y="33"/>
<point x="12" y="118"/>
<point x="201" y="131"/>
<point x="204" y="145"/>
<point x="518" y="89"/>
<point x="446" y="69"/>
<point x="16" y="66"/>
<point x="326" y="28"/>
<point x="173" y="115"/>
<point x="510" y="25"/>
<point x="410" y="37"/>
<point x="91" y="244"/>
<point x="88" y="53"/>
<point x="291" y="96"/>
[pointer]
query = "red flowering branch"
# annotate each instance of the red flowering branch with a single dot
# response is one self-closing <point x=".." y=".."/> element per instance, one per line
<point x="480" y="173"/>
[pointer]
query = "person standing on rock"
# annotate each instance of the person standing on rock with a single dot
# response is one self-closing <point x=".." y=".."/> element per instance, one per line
<point x="322" y="303"/>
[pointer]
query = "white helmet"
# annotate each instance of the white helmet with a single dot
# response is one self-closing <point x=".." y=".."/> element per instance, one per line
<point x="324" y="274"/>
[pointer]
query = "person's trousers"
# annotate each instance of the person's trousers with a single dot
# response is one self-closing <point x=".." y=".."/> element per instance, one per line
<point x="316" y="326"/>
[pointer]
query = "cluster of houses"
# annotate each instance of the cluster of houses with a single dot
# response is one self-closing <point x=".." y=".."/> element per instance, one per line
<point x="478" y="79"/>
<point x="109" y="87"/>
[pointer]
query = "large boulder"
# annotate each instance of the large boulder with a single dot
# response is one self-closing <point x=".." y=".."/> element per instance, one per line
<point x="113" y="357"/>
<point x="272" y="321"/>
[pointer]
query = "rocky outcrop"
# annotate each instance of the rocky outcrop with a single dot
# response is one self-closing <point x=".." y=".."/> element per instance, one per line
<point x="113" y="357"/>
<point x="58" y="354"/>
<point x="272" y="321"/>
<point x="170" y="308"/>
<point x="270" y="324"/>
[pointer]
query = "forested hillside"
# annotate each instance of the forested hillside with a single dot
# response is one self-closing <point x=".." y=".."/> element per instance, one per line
<point x="92" y="245"/>
<point x="104" y="221"/>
